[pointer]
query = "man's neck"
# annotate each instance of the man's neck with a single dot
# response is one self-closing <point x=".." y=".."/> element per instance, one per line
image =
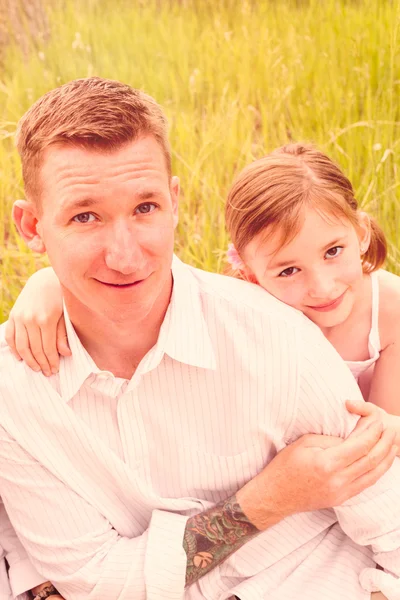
<point x="118" y="345"/>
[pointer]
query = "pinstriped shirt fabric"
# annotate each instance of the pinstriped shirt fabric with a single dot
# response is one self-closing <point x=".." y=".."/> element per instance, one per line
<point x="5" y="590"/>
<point x="20" y="576"/>
<point x="99" y="474"/>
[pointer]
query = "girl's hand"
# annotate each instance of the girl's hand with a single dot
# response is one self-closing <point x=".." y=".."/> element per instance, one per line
<point x="367" y="409"/>
<point x="36" y="330"/>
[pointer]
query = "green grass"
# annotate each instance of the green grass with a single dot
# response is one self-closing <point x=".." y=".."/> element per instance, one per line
<point x="236" y="79"/>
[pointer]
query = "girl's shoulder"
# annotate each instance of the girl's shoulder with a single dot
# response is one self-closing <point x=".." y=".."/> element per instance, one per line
<point x="389" y="306"/>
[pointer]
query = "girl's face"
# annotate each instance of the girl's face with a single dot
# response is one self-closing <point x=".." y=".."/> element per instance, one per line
<point x="319" y="272"/>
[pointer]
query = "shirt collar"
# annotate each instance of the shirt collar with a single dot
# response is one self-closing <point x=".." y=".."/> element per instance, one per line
<point x="183" y="336"/>
<point x="74" y="369"/>
<point x="187" y="336"/>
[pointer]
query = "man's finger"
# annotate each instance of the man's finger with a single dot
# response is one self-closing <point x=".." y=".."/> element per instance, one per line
<point x="370" y="478"/>
<point x="315" y="440"/>
<point x="373" y="459"/>
<point x="354" y="447"/>
<point x="364" y="423"/>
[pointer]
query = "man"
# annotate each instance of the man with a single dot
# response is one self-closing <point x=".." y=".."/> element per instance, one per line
<point x="139" y="470"/>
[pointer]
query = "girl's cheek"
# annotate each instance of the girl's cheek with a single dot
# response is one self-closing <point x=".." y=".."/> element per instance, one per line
<point x="293" y="296"/>
<point x="289" y="292"/>
<point x="350" y="270"/>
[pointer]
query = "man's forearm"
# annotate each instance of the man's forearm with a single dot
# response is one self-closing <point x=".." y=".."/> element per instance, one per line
<point x="212" y="536"/>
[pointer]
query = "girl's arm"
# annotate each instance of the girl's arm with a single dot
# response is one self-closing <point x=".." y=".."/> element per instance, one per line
<point x="384" y="389"/>
<point x="385" y="384"/>
<point x="35" y="330"/>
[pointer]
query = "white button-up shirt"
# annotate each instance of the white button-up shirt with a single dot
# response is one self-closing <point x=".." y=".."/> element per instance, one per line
<point x="99" y="474"/>
<point x="19" y="576"/>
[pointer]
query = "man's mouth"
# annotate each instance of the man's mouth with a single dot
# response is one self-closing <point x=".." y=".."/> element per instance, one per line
<point x="129" y="284"/>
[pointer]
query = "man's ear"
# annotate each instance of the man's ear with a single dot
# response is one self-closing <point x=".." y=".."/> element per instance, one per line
<point x="175" y="190"/>
<point x="25" y="219"/>
<point x="364" y="232"/>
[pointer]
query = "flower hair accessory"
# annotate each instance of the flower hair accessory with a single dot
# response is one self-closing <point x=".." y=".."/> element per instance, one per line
<point x="233" y="258"/>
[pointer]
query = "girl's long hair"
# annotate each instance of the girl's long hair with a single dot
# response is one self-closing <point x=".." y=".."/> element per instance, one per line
<point x="270" y="195"/>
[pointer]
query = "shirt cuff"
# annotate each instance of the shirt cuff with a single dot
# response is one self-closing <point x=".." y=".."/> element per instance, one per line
<point x="374" y="580"/>
<point x="166" y="560"/>
<point x="23" y="577"/>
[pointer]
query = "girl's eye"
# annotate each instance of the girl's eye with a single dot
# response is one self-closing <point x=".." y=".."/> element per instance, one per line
<point x="288" y="272"/>
<point x="84" y="218"/>
<point x="146" y="208"/>
<point x="333" y="252"/>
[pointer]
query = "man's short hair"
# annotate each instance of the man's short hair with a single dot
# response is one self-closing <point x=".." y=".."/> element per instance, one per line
<point x="94" y="113"/>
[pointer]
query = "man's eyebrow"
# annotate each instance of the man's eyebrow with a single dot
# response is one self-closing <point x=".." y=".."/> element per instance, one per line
<point x="146" y="194"/>
<point x="89" y="202"/>
<point x="285" y="263"/>
<point x="82" y="203"/>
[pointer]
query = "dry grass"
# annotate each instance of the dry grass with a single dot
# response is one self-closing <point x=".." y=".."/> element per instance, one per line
<point x="237" y="78"/>
<point x="24" y="23"/>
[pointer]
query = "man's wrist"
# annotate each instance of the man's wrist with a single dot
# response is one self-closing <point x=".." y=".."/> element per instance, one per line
<point x="44" y="591"/>
<point x="213" y="535"/>
<point x="260" y="508"/>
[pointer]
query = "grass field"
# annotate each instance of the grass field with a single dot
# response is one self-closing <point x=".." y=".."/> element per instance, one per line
<point x="236" y="78"/>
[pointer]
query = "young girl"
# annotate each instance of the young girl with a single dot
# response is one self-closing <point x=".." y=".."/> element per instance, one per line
<point x="297" y="232"/>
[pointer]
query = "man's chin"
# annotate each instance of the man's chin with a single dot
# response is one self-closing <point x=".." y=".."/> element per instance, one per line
<point x="120" y="302"/>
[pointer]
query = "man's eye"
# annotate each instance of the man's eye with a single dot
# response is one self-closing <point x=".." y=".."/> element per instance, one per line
<point x="335" y="251"/>
<point x="146" y="207"/>
<point x="84" y="218"/>
<point x="288" y="272"/>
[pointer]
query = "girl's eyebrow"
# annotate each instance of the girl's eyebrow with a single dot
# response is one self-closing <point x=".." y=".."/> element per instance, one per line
<point x="333" y="243"/>
<point x="285" y="263"/>
<point x="282" y="263"/>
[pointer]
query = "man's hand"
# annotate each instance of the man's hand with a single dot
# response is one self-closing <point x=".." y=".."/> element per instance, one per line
<point x="317" y="472"/>
<point x="367" y="409"/>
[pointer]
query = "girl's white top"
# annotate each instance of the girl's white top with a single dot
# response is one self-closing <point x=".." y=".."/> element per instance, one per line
<point x="357" y="367"/>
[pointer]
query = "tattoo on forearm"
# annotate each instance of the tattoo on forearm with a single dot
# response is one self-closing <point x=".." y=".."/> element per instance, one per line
<point x="213" y="535"/>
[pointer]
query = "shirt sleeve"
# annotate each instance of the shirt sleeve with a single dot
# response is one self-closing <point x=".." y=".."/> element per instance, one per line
<point x="372" y="517"/>
<point x="21" y="574"/>
<point x="71" y="544"/>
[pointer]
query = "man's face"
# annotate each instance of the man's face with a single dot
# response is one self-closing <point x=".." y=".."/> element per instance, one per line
<point x="107" y="224"/>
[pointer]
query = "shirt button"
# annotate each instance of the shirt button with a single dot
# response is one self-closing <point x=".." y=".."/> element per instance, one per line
<point x="104" y="375"/>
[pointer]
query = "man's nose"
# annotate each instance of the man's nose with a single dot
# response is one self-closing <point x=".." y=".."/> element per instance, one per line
<point x="123" y="251"/>
<point x="321" y="285"/>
